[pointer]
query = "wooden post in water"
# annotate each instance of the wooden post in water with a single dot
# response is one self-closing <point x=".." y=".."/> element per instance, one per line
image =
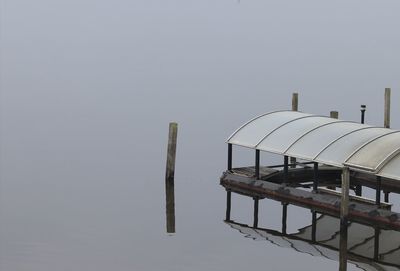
<point x="169" y="177"/>
<point x="386" y="122"/>
<point x="344" y="211"/>
<point x="295" y="107"/>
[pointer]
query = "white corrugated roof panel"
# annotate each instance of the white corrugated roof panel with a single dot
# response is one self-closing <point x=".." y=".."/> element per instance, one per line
<point x="311" y="144"/>
<point x="325" y="140"/>
<point x="280" y="139"/>
<point x="255" y="130"/>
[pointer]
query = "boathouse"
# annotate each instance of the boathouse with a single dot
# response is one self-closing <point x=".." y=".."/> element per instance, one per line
<point x="319" y="153"/>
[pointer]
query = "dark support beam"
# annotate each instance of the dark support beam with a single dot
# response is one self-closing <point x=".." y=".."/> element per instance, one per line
<point x="386" y="196"/>
<point x="228" y="205"/>
<point x="344" y="211"/>
<point x="315" y="182"/>
<point x="255" y="222"/>
<point x="378" y="190"/>
<point x="284" y="217"/>
<point x="257" y="164"/>
<point x="285" y="168"/>
<point x="229" y="156"/>
<point x="314" y="226"/>
<point x="376" y="244"/>
<point x="359" y="190"/>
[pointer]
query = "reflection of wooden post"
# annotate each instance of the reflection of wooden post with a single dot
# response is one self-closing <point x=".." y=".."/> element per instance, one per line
<point x="386" y="122"/>
<point x="284" y="217"/>
<point x="255" y="222"/>
<point x="376" y="244"/>
<point x="228" y="205"/>
<point x="169" y="177"/>
<point x="344" y="211"/>
<point x="295" y="107"/>
<point x="314" y="226"/>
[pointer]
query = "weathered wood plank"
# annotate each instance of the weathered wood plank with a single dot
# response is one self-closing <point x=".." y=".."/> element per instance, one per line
<point x="330" y="204"/>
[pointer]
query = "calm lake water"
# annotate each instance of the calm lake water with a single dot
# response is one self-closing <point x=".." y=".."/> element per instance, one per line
<point x="88" y="89"/>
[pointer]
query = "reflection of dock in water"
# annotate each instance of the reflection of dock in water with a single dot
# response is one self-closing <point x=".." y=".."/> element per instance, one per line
<point x="368" y="248"/>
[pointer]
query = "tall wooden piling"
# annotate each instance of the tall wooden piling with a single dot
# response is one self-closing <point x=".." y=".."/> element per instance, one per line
<point x="295" y="107"/>
<point x="386" y="121"/>
<point x="169" y="177"/>
<point x="334" y="115"/>
<point x="344" y="211"/>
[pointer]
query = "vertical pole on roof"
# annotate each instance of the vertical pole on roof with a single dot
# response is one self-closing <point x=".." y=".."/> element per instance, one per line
<point x="386" y="122"/>
<point x="170" y="178"/>
<point x="344" y="211"/>
<point x="376" y="244"/>
<point x="315" y="182"/>
<point x="255" y="221"/>
<point x="295" y="107"/>
<point x="386" y="196"/>
<point x="257" y="164"/>
<point x="359" y="186"/>
<point x="334" y="115"/>
<point x="363" y="108"/>
<point x="229" y="156"/>
<point x="378" y="190"/>
<point x="285" y="168"/>
<point x="314" y="226"/>
<point x="228" y="205"/>
<point x="284" y="217"/>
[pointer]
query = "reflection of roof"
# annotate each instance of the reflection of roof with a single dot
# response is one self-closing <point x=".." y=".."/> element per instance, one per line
<point x="322" y="139"/>
<point x="360" y="242"/>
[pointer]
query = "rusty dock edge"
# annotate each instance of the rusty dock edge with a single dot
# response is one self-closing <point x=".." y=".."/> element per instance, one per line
<point x="359" y="212"/>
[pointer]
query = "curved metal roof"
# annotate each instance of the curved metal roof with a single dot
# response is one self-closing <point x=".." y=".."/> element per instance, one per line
<point x="325" y="140"/>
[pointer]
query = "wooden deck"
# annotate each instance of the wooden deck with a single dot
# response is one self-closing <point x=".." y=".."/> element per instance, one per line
<point x="270" y="186"/>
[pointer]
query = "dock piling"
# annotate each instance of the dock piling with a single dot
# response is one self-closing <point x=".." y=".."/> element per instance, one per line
<point x="386" y="122"/>
<point x="359" y="186"/>
<point x="169" y="177"/>
<point x="344" y="211"/>
<point x="295" y="107"/>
